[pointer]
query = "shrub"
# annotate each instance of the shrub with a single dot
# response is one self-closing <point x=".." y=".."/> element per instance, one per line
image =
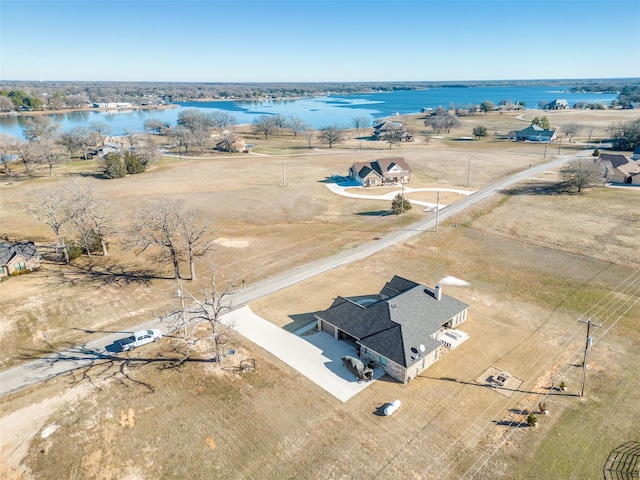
<point x="113" y="166"/>
<point x="133" y="164"/>
<point x="480" y="131"/>
<point x="532" y="420"/>
<point x="596" y="153"/>
<point x="400" y="204"/>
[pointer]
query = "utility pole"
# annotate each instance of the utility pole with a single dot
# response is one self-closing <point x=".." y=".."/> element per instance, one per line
<point x="586" y="351"/>
<point x="468" y="172"/>
<point x="284" y="174"/>
<point x="402" y="202"/>
<point x="437" y="210"/>
<point x="560" y="145"/>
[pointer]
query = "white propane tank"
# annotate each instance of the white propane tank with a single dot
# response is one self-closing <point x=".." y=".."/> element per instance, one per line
<point x="392" y="407"/>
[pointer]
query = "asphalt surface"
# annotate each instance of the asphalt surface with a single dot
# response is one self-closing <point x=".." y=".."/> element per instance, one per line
<point x="103" y="350"/>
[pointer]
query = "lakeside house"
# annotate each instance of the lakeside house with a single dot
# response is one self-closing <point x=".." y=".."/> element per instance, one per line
<point x="403" y="330"/>
<point x="383" y="171"/>
<point x="557" y="104"/>
<point x="387" y="126"/>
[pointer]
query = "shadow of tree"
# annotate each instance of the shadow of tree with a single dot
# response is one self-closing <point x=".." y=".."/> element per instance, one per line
<point x="375" y="213"/>
<point x="540" y="187"/>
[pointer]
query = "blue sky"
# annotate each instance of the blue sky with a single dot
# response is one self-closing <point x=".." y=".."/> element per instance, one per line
<point x="318" y="40"/>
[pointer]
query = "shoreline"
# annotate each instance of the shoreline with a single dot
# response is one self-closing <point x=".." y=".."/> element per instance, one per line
<point x="88" y="109"/>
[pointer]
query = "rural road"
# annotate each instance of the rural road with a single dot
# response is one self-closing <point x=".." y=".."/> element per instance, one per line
<point x="95" y="352"/>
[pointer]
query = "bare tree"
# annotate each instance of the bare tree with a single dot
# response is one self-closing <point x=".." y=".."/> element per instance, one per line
<point x="360" y="123"/>
<point x="330" y="135"/>
<point x="40" y="128"/>
<point x="90" y="214"/>
<point x="159" y="227"/>
<point x="6" y="105"/>
<point x="27" y="153"/>
<point x="265" y="125"/>
<point x="194" y="235"/>
<point x="8" y="149"/>
<point x="584" y="172"/>
<point x="295" y="125"/>
<point x="571" y="130"/>
<point x="309" y="133"/>
<point x="49" y="153"/>
<point x="393" y="133"/>
<point x="48" y="205"/>
<point x="222" y="121"/>
<point x="205" y="314"/>
<point x="101" y="130"/>
<point x="184" y="138"/>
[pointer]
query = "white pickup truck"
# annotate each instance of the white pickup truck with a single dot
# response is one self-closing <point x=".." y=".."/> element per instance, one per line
<point x="139" y="338"/>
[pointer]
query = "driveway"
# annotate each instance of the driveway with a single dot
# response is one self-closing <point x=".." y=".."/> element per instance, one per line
<point x="316" y="356"/>
<point x="340" y="188"/>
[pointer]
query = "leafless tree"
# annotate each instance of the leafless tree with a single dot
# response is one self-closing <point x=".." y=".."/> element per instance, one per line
<point x="222" y="121"/>
<point x="309" y="133"/>
<point x="265" y="125"/>
<point x="584" y="172"/>
<point x="571" y="130"/>
<point x="40" y="128"/>
<point x="101" y="129"/>
<point x="27" y="153"/>
<point x="158" y="227"/>
<point x="8" y="148"/>
<point x="48" y="152"/>
<point x="295" y="125"/>
<point x="330" y="135"/>
<point x="360" y="123"/>
<point x="194" y="234"/>
<point x="392" y="134"/>
<point x="90" y="214"/>
<point x="205" y="313"/>
<point x="6" y="105"/>
<point x="184" y="138"/>
<point x="48" y="205"/>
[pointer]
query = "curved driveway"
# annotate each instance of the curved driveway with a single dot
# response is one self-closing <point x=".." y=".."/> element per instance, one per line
<point x="96" y="351"/>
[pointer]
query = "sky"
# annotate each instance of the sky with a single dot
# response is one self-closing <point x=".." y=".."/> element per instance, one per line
<point x="318" y="40"/>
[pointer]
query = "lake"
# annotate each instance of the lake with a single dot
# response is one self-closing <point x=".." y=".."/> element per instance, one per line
<point x="322" y="111"/>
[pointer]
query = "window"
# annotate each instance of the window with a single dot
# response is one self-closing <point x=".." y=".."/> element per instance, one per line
<point x="383" y="361"/>
<point x="19" y="266"/>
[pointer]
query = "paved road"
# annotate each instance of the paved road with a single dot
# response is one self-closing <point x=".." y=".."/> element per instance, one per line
<point x="98" y="351"/>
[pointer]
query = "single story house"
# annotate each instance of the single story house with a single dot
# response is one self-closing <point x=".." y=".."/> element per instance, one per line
<point x="557" y="104"/>
<point x="533" y="133"/>
<point x="621" y="169"/>
<point x="381" y="172"/>
<point x="18" y="257"/>
<point x="402" y="330"/>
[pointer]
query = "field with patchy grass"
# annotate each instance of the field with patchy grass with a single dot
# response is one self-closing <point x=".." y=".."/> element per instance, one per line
<point x="536" y="260"/>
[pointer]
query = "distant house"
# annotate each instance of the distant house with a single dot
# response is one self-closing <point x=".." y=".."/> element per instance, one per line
<point x="380" y="129"/>
<point x="104" y="150"/>
<point x="557" y="104"/>
<point x="18" y="257"/>
<point x="404" y="329"/>
<point x="380" y="172"/>
<point x="533" y="133"/>
<point x="231" y="144"/>
<point x="621" y="169"/>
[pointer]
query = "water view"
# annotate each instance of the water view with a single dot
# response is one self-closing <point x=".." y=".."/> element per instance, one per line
<point x="322" y="111"/>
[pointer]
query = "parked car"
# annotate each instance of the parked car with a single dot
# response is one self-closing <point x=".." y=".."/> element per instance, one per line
<point x="139" y="338"/>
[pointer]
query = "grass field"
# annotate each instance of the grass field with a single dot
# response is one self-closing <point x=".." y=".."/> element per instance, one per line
<point x="536" y="260"/>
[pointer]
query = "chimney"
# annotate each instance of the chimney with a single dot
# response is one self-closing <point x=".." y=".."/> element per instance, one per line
<point x="438" y="292"/>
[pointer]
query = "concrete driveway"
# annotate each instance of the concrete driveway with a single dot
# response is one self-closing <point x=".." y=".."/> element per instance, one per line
<point x="316" y="356"/>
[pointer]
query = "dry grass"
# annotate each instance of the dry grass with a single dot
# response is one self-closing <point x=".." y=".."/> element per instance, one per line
<point x="536" y="260"/>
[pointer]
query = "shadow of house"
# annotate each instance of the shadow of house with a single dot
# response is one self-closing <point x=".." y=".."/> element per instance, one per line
<point x="404" y="332"/>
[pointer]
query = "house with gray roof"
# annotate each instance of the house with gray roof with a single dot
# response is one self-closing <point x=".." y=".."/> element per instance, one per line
<point x="533" y="133"/>
<point x="403" y="330"/>
<point x="381" y="172"/>
<point x="16" y="258"/>
<point x="557" y="104"/>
